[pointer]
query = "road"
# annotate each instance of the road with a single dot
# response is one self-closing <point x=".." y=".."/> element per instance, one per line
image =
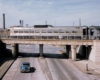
<point x="54" y="66"/>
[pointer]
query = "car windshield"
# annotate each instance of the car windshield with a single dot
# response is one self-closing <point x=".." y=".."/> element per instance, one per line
<point x="25" y="64"/>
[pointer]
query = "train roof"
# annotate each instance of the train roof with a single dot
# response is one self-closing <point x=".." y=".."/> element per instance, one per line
<point x="95" y="27"/>
<point x="42" y="26"/>
<point x="77" y="27"/>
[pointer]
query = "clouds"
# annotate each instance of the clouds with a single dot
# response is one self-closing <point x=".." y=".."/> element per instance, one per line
<point x="64" y="12"/>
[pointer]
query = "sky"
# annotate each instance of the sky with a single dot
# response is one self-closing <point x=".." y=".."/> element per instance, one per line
<point x="55" y="12"/>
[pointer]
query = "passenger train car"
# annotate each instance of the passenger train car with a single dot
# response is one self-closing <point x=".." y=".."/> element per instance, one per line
<point x="58" y="32"/>
<point x="47" y="33"/>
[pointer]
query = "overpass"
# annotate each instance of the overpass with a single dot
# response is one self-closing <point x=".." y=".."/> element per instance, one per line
<point x="72" y="37"/>
<point x="71" y="46"/>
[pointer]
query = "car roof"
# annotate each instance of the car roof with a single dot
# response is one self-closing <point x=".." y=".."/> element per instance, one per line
<point x="25" y="63"/>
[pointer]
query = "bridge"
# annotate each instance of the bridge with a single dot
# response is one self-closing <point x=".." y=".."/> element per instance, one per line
<point x="71" y="46"/>
<point x="73" y="38"/>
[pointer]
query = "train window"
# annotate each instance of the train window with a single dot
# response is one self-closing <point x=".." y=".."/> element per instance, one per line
<point x="49" y="31"/>
<point x="61" y="31"/>
<point x="25" y="31"/>
<point x="98" y="31"/>
<point x="20" y="31"/>
<point x="43" y="31"/>
<point x="55" y="31"/>
<point x="73" y="31"/>
<point x="91" y="31"/>
<point x="37" y="31"/>
<point x="31" y="31"/>
<point x="67" y="31"/>
<point x="15" y="31"/>
<point x="77" y="27"/>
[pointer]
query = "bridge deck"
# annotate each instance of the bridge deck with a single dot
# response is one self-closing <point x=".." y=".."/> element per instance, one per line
<point x="48" y="41"/>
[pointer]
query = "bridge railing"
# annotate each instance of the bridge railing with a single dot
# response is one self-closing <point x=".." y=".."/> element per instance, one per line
<point x="52" y="37"/>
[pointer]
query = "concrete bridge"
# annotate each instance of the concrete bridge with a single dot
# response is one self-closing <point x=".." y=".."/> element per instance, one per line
<point x="60" y="36"/>
<point x="71" y="46"/>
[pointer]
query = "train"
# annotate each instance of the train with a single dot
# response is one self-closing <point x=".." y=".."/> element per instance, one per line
<point x="60" y="32"/>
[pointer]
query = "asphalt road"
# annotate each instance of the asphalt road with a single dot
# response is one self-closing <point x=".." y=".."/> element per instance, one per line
<point x="54" y="66"/>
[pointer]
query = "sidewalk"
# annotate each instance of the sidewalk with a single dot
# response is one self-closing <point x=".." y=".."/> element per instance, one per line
<point x="93" y="68"/>
<point x="5" y="64"/>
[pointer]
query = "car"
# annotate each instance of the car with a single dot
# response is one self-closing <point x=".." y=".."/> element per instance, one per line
<point x="25" y="67"/>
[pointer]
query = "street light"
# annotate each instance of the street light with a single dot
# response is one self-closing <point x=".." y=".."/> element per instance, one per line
<point x="86" y="58"/>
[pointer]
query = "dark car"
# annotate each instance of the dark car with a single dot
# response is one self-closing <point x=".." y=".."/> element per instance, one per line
<point x="25" y="67"/>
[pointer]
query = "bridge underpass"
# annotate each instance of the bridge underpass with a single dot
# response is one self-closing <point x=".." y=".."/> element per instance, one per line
<point x="72" y="52"/>
<point x="35" y="51"/>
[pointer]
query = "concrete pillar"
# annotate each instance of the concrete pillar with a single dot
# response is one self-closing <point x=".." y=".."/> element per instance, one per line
<point x="95" y="51"/>
<point x="41" y="50"/>
<point x="73" y="49"/>
<point x="68" y="50"/>
<point x="14" y="50"/>
<point x="17" y="49"/>
<point x="92" y="54"/>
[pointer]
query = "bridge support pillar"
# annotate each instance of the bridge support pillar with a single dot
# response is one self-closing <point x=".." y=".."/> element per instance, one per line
<point x="73" y="49"/>
<point x="41" y="50"/>
<point x="68" y="50"/>
<point x="2" y="49"/>
<point x="14" y="50"/>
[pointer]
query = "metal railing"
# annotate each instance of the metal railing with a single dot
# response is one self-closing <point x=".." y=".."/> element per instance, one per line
<point x="52" y="37"/>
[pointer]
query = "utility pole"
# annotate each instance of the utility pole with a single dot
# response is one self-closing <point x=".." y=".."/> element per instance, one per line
<point x="55" y="23"/>
<point x="73" y="23"/>
<point x="22" y="23"/>
<point x="45" y="22"/>
<point x="87" y="58"/>
<point x="26" y="25"/>
<point x="80" y="22"/>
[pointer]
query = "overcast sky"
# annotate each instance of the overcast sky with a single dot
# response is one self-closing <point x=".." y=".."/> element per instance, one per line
<point x="56" y="12"/>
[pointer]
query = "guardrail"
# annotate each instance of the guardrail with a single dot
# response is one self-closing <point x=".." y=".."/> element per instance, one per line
<point x="52" y="37"/>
